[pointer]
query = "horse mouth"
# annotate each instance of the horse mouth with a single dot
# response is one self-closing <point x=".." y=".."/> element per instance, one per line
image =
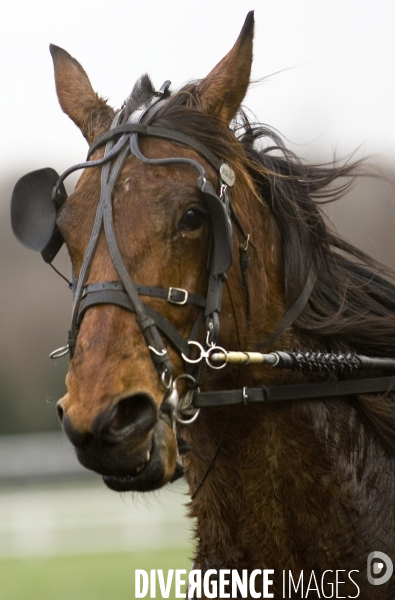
<point x="146" y="476"/>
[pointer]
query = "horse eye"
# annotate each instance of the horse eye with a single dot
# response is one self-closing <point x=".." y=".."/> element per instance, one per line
<point x="192" y="220"/>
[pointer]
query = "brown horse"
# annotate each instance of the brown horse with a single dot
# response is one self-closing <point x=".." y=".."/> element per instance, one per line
<point x="306" y="484"/>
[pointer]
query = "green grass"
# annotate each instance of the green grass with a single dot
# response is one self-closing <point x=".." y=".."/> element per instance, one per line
<point x="91" y="577"/>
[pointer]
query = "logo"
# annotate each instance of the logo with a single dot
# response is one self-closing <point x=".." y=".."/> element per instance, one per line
<point x="380" y="568"/>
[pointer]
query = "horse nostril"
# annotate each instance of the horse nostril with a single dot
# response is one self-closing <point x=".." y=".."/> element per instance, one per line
<point x="135" y="415"/>
<point x="136" y="412"/>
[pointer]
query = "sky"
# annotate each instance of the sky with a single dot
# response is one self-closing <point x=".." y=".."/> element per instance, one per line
<point x="334" y="89"/>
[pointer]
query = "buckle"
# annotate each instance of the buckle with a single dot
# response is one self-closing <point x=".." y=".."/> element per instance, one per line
<point x="177" y="296"/>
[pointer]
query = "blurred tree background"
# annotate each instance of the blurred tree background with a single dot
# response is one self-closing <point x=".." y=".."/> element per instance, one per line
<point x="35" y="309"/>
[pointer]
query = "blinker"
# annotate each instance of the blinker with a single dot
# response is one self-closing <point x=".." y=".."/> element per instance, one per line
<point x="221" y="228"/>
<point x="33" y="212"/>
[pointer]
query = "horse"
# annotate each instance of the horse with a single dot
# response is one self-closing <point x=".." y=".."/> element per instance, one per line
<point x="195" y="235"/>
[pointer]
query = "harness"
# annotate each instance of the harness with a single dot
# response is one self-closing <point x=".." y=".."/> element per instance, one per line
<point x="36" y="200"/>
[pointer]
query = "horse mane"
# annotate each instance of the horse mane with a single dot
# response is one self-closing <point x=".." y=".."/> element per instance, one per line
<point x="352" y="305"/>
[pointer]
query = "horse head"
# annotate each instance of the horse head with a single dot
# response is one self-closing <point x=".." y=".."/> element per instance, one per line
<point x="157" y="236"/>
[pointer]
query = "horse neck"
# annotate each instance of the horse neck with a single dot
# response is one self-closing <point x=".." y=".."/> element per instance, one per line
<point x="250" y="465"/>
<point x="220" y="436"/>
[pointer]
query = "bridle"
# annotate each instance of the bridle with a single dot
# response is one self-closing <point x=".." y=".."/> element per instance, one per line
<point x="121" y="141"/>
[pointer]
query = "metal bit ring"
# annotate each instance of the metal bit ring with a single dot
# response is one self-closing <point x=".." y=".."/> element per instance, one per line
<point x="193" y="361"/>
<point x="181" y="408"/>
<point x="210" y="352"/>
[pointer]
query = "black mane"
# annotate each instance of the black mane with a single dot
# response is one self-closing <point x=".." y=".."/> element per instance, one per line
<point x="352" y="306"/>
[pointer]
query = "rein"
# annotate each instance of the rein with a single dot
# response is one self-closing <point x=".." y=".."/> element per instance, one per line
<point x="299" y="391"/>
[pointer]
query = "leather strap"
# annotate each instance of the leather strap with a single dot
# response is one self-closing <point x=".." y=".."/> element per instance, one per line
<point x="300" y="391"/>
<point x="120" y="298"/>
<point x="159" y="132"/>
<point x="293" y="313"/>
<point x="173" y="295"/>
<point x="220" y="255"/>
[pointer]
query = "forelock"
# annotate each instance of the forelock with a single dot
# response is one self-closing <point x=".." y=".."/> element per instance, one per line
<point x="142" y="91"/>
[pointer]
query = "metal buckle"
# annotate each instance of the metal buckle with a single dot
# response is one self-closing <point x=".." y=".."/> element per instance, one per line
<point x="172" y="300"/>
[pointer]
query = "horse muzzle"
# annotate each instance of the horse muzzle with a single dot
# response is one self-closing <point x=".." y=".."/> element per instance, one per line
<point x="128" y="444"/>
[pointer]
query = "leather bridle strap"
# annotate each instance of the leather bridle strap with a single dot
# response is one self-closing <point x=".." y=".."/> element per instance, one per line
<point x="124" y="131"/>
<point x="293" y="313"/>
<point x="299" y="391"/>
<point x="158" y="132"/>
<point x="146" y="323"/>
<point x="114" y="293"/>
<point x="120" y="298"/>
<point x="91" y="248"/>
<point x="221" y="239"/>
<point x="173" y="295"/>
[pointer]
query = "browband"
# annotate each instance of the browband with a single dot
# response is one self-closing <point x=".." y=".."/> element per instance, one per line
<point x="158" y="132"/>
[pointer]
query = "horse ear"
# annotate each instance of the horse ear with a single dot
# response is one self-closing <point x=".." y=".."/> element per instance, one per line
<point x="76" y="97"/>
<point x="224" y="88"/>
